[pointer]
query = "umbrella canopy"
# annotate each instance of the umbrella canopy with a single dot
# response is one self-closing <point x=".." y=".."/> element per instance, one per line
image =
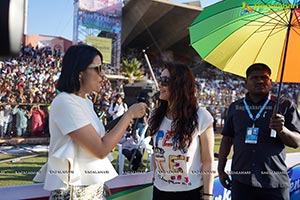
<point x="233" y="34"/>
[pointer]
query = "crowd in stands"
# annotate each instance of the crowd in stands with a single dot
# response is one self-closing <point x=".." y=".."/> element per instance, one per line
<point x="27" y="87"/>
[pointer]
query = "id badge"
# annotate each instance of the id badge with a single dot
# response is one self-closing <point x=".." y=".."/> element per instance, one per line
<point x="252" y="135"/>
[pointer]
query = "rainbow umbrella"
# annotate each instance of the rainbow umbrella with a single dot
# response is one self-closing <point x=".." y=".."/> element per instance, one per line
<point x="234" y="34"/>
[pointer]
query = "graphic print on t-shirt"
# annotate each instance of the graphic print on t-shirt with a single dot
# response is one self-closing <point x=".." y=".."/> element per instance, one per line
<point x="170" y="160"/>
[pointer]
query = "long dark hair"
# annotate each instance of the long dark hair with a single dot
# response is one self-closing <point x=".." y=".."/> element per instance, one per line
<point x="183" y="105"/>
<point x="76" y="60"/>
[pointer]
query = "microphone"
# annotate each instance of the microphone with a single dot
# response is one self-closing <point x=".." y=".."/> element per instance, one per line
<point x="144" y="50"/>
<point x="112" y="123"/>
<point x="142" y="97"/>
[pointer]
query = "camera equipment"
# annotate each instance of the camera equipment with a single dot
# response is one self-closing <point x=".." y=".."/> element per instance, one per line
<point x="144" y="97"/>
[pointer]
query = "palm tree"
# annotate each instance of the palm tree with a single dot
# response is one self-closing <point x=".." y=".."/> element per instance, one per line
<point x="131" y="70"/>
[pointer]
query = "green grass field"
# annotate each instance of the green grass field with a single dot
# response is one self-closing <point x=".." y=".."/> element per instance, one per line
<point x="22" y="171"/>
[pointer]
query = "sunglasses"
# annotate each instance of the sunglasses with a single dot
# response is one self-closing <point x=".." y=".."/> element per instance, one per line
<point x="97" y="67"/>
<point x="164" y="80"/>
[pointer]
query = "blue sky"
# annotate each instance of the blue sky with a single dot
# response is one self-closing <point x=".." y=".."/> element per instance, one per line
<point x="55" y="17"/>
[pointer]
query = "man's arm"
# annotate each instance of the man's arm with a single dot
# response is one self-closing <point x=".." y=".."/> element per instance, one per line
<point x="290" y="138"/>
<point x="224" y="151"/>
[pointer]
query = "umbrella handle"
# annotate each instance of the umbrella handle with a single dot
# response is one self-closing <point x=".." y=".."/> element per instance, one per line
<point x="273" y="132"/>
<point x="283" y="62"/>
<point x="278" y="99"/>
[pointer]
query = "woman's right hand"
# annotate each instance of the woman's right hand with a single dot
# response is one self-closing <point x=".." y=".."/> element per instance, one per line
<point x="137" y="110"/>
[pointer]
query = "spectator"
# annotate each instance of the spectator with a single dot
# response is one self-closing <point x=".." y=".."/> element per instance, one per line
<point x="21" y="119"/>
<point x="298" y="101"/>
<point x="37" y="115"/>
<point x="130" y="148"/>
<point x="34" y="73"/>
<point x="8" y="118"/>
<point x="2" y="119"/>
<point x="103" y="114"/>
<point x="118" y="107"/>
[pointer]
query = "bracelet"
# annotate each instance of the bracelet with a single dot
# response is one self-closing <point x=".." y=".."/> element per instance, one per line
<point x="206" y="194"/>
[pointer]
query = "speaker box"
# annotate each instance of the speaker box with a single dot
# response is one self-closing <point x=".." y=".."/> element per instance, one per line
<point x="131" y="94"/>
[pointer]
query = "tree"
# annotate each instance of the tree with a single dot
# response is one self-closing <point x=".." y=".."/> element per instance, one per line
<point x="131" y="70"/>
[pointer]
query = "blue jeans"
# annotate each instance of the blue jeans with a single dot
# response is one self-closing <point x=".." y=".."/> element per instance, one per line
<point x="141" y="127"/>
<point x="21" y="131"/>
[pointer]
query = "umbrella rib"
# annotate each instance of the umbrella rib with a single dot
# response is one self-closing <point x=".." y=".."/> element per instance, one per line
<point x="297" y="19"/>
<point x="283" y="22"/>
<point x="273" y="25"/>
<point x="270" y="34"/>
<point x="286" y="15"/>
<point x="269" y="23"/>
<point x="296" y="32"/>
<point x="274" y="28"/>
<point x="221" y="12"/>
<point x="275" y="12"/>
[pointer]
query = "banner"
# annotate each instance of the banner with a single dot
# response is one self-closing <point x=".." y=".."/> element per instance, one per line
<point x="99" y="21"/>
<point x="294" y="175"/>
<point x="100" y="18"/>
<point x="101" y="6"/>
<point x="104" y="45"/>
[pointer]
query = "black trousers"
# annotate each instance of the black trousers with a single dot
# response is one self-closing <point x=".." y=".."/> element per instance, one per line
<point x="247" y="192"/>
<point x="195" y="194"/>
<point x="137" y="157"/>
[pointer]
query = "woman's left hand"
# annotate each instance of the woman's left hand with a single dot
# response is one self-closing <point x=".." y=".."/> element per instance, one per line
<point x="106" y="191"/>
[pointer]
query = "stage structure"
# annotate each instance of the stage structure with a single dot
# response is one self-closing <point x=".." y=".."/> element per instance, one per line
<point x="99" y="23"/>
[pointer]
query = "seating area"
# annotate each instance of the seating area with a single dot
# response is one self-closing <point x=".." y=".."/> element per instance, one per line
<point x="144" y="147"/>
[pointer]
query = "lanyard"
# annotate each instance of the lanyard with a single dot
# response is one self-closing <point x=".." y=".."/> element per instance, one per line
<point x="259" y="112"/>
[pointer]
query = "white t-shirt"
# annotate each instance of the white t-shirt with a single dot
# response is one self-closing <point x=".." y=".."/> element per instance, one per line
<point x="117" y="110"/>
<point x="68" y="113"/>
<point x="177" y="170"/>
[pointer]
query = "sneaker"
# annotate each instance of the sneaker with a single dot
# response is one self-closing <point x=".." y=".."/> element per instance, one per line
<point x="135" y="167"/>
<point x="142" y="165"/>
